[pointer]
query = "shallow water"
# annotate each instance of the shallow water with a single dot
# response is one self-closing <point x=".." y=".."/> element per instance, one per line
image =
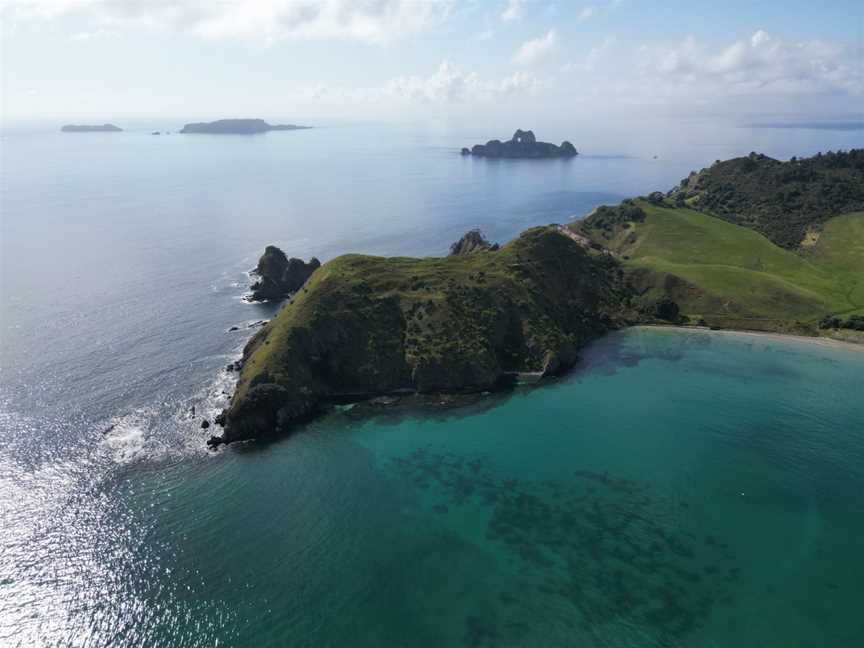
<point x="679" y="489"/>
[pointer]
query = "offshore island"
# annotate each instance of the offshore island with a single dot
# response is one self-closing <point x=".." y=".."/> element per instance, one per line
<point x="523" y="144"/>
<point x="750" y="243"/>
<point x="91" y="128"/>
<point x="238" y="127"/>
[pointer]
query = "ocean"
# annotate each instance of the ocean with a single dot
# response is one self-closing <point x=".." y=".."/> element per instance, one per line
<point x="677" y="489"/>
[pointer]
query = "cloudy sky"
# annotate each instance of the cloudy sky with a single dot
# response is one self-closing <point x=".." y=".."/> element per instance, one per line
<point x="416" y="59"/>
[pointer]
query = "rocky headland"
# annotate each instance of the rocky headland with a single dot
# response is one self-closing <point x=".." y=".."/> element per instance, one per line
<point x="91" y="128"/>
<point x="522" y="145"/>
<point x="279" y="276"/>
<point x="365" y="326"/>
<point x="238" y="127"/>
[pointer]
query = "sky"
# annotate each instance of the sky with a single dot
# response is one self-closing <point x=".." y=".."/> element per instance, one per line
<point x="416" y="60"/>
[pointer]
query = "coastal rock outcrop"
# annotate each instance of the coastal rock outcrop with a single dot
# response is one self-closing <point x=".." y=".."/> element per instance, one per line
<point x="88" y="128"/>
<point x="237" y="127"/>
<point x="472" y="242"/>
<point x="368" y="326"/>
<point x="279" y="276"/>
<point x="523" y="144"/>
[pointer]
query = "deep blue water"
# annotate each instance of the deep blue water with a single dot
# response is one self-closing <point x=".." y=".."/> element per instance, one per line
<point x="123" y="261"/>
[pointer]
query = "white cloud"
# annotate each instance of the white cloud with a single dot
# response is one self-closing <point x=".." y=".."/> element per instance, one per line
<point x="594" y="56"/>
<point x="533" y="50"/>
<point x="513" y="11"/>
<point x="372" y="21"/>
<point x="451" y="83"/>
<point x="486" y="34"/>
<point x="586" y="12"/>
<point x="760" y="64"/>
<point x="94" y="35"/>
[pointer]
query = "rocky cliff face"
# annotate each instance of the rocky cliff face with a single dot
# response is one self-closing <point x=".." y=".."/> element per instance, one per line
<point x="522" y="145"/>
<point x="279" y="276"/>
<point x="472" y="242"/>
<point x="366" y="326"/>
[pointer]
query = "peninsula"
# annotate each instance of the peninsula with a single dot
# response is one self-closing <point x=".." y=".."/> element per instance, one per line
<point x="522" y="145"/>
<point x="364" y="326"/>
<point x="87" y="128"/>
<point x="711" y="253"/>
<point x="238" y="127"/>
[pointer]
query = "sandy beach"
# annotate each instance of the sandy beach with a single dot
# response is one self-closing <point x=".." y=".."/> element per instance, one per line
<point x="782" y="337"/>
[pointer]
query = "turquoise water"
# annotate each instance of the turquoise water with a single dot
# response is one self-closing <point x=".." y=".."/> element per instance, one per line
<point x="679" y="489"/>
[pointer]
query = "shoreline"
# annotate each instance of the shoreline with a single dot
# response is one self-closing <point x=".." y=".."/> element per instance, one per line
<point x="781" y="337"/>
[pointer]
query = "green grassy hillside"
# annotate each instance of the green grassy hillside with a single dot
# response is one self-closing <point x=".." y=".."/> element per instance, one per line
<point x="732" y="276"/>
<point x="840" y="249"/>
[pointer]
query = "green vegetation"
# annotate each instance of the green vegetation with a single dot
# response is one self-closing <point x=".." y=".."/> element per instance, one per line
<point x="786" y="201"/>
<point x="733" y="277"/>
<point x="363" y="326"/>
<point x="751" y="243"/>
<point x="853" y="322"/>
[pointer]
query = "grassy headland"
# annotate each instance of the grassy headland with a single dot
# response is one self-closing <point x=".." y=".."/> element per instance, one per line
<point x="751" y="244"/>
<point x="364" y="326"/>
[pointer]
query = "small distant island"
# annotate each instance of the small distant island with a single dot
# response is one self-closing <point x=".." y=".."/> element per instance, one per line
<point x="523" y="145"/>
<point x="238" y="127"/>
<point x="91" y="128"/>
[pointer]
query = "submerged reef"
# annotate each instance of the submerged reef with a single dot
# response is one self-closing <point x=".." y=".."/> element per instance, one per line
<point x="596" y="549"/>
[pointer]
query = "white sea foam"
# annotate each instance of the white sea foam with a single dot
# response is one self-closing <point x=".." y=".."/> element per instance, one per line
<point x="124" y="439"/>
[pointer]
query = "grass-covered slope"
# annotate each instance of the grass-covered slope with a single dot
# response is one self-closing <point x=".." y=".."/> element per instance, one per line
<point x="733" y="276"/>
<point x="786" y="201"/>
<point x="363" y="326"/>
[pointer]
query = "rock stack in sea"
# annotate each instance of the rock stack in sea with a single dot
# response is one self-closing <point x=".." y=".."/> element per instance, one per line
<point x="523" y="144"/>
<point x="279" y="276"/>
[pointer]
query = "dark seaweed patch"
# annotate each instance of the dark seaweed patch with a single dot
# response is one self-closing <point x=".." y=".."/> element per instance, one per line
<point x="600" y="544"/>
